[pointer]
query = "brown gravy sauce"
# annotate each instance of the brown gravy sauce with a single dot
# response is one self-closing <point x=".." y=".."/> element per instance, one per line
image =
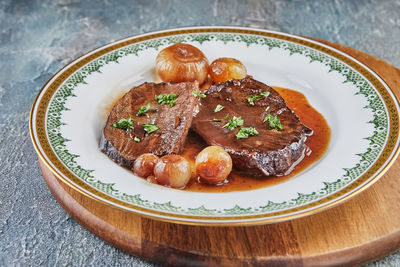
<point x="318" y="143"/>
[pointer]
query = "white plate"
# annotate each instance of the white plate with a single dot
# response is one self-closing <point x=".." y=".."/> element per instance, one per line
<point x="70" y="111"/>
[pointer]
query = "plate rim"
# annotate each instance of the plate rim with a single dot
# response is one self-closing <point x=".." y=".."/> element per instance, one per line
<point x="195" y="219"/>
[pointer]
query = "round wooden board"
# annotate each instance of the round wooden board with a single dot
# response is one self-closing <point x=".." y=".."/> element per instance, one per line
<point x="363" y="229"/>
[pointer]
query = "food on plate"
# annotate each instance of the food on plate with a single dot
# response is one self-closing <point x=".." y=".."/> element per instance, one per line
<point x="261" y="134"/>
<point x="182" y="63"/>
<point x="246" y="124"/>
<point x="173" y="171"/>
<point x="144" y="165"/>
<point x="160" y="129"/>
<point x="213" y="165"/>
<point x="225" y="68"/>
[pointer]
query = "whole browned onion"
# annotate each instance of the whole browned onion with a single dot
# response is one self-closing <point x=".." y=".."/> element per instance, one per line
<point x="182" y="63"/>
<point x="213" y="165"/>
<point x="173" y="171"/>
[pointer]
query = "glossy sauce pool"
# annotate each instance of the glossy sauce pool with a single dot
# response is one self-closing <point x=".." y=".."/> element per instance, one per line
<point x="318" y="143"/>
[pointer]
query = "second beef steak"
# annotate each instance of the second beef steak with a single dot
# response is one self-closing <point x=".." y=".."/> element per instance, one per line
<point x="273" y="151"/>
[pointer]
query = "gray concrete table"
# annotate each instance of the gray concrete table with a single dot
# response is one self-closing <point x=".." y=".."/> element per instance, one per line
<point x="37" y="38"/>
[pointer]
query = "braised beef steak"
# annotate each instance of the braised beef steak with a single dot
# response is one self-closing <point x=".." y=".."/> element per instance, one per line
<point x="123" y="146"/>
<point x="272" y="151"/>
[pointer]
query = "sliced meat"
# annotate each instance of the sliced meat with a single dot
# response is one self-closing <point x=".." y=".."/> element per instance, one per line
<point x="174" y="122"/>
<point x="272" y="151"/>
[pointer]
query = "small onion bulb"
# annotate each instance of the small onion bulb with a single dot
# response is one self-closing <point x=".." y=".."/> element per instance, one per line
<point x="173" y="171"/>
<point x="182" y="63"/>
<point x="213" y="165"/>
<point x="144" y="165"/>
<point x="225" y="68"/>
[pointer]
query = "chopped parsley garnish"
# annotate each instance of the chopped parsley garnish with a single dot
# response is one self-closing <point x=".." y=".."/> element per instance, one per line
<point x="224" y="118"/>
<point x="150" y="128"/>
<point x="166" y="99"/>
<point x="143" y="109"/>
<point x="199" y="94"/>
<point x="274" y="122"/>
<point x="251" y="98"/>
<point x="125" y="124"/>
<point x="246" y="133"/>
<point x="136" y="139"/>
<point x="233" y="123"/>
<point x="266" y="93"/>
<point x="218" y="108"/>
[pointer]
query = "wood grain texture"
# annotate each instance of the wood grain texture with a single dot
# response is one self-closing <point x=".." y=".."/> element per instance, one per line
<point x="361" y="230"/>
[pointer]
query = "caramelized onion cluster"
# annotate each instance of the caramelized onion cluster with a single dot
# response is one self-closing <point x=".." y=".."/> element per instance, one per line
<point x="212" y="166"/>
<point x="171" y="170"/>
<point x="186" y="63"/>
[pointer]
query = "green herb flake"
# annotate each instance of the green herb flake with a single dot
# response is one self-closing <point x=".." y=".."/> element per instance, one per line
<point x="136" y="139"/>
<point x="266" y="93"/>
<point x="124" y="124"/>
<point x="150" y="128"/>
<point x="246" y="133"/>
<point x="143" y="109"/>
<point x="218" y="108"/>
<point x="233" y="123"/>
<point x="166" y="99"/>
<point x="274" y="122"/>
<point x="251" y="99"/>
<point x="197" y="94"/>
<point x="224" y="118"/>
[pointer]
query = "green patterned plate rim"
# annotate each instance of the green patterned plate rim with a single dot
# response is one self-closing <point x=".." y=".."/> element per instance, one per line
<point x="50" y="110"/>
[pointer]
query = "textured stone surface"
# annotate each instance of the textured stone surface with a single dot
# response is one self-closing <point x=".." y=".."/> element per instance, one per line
<point x="38" y="37"/>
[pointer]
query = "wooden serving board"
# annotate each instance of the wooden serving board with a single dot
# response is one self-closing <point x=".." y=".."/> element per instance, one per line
<point x="363" y="229"/>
